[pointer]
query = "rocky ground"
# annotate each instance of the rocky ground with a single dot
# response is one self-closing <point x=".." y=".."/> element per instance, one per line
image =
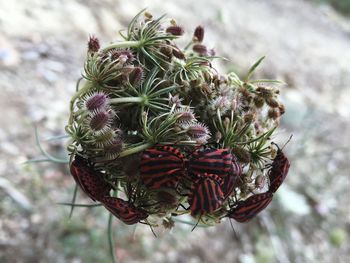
<point x="42" y="49"/>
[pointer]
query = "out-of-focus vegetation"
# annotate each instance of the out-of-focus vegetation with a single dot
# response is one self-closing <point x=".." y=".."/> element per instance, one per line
<point x="343" y="6"/>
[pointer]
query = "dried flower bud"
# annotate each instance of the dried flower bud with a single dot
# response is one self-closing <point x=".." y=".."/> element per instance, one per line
<point x="242" y="154"/>
<point x="93" y="44"/>
<point x="96" y="101"/>
<point x="199" y="33"/>
<point x="259" y="101"/>
<point x="200" y="49"/>
<point x="178" y="53"/>
<point x="273" y="114"/>
<point x="198" y="131"/>
<point x="218" y="136"/>
<point x="184" y="115"/>
<point x="167" y="51"/>
<point x="264" y="92"/>
<point x="123" y="55"/>
<point x="260" y="181"/>
<point x="148" y="15"/>
<point x="116" y="146"/>
<point x="249" y="117"/>
<point x="282" y="109"/>
<point x="136" y="76"/>
<point x="168" y="224"/>
<point x="272" y="102"/>
<point x="175" y="30"/>
<point x="226" y="122"/>
<point x="175" y="100"/>
<point x="99" y="120"/>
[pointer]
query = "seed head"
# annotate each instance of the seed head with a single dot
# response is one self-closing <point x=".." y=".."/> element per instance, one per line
<point x="199" y="132"/>
<point x="200" y="49"/>
<point x="273" y="114"/>
<point x="136" y="76"/>
<point x="184" y="115"/>
<point x="259" y="102"/>
<point x="93" y="44"/>
<point x="242" y="154"/>
<point x="96" y="101"/>
<point x="99" y="120"/>
<point x="175" y="30"/>
<point x="199" y="33"/>
<point x="175" y="100"/>
<point x="282" y="109"/>
<point x="178" y="53"/>
<point x="272" y="102"/>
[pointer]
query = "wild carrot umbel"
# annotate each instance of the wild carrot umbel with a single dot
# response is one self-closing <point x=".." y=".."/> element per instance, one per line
<point x="160" y="124"/>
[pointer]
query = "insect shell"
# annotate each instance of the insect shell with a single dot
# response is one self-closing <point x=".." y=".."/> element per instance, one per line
<point x="245" y="210"/>
<point x="123" y="210"/>
<point x="278" y="171"/>
<point x="89" y="180"/>
<point x="161" y="167"/>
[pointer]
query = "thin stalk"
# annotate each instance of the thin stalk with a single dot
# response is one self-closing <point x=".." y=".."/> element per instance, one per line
<point x="124" y="44"/>
<point x="110" y="238"/>
<point x="135" y="150"/>
<point x="127" y="100"/>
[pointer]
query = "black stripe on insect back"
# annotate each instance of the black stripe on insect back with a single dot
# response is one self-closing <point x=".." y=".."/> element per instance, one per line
<point x="249" y="208"/>
<point x="161" y="167"/>
<point x="216" y="161"/>
<point x="206" y="195"/>
<point x="279" y="170"/>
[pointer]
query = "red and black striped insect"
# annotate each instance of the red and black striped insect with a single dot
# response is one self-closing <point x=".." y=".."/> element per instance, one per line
<point x="161" y="167"/>
<point x="231" y="180"/>
<point x="206" y="195"/>
<point x="211" y="161"/>
<point x="245" y="210"/>
<point x="123" y="210"/>
<point x="89" y="180"/>
<point x="278" y="171"/>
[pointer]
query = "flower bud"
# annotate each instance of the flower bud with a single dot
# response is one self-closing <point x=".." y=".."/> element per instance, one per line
<point x="93" y="44"/>
<point x="272" y="102"/>
<point x="200" y="49"/>
<point x="273" y="114"/>
<point x="175" y="30"/>
<point x="259" y="101"/>
<point x="136" y="76"/>
<point x="199" y="33"/>
<point x="96" y="101"/>
<point x="178" y="53"/>
<point x="99" y="120"/>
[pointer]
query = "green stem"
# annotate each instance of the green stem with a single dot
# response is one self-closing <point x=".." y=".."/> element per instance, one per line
<point x="124" y="44"/>
<point x="127" y="100"/>
<point x="135" y="150"/>
<point x="110" y="238"/>
<point x="84" y="89"/>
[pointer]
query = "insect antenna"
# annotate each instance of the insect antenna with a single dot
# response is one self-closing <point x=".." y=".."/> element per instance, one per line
<point x="234" y="231"/>
<point x="196" y="224"/>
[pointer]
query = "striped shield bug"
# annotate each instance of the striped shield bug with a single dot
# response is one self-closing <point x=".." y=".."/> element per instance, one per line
<point x="211" y="161"/>
<point x="89" y="180"/>
<point x="206" y="195"/>
<point x="245" y="210"/>
<point x="123" y="210"/>
<point x="161" y="167"/>
<point x="278" y="171"/>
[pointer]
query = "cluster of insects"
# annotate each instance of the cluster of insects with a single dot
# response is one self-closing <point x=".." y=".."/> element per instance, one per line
<point x="208" y="178"/>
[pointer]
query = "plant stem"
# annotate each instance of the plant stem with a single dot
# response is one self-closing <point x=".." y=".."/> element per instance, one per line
<point x="110" y="238"/>
<point x="127" y="100"/>
<point x="124" y="44"/>
<point x="135" y="149"/>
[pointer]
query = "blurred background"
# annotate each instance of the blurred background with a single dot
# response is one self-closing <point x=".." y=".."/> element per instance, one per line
<point x="307" y="44"/>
